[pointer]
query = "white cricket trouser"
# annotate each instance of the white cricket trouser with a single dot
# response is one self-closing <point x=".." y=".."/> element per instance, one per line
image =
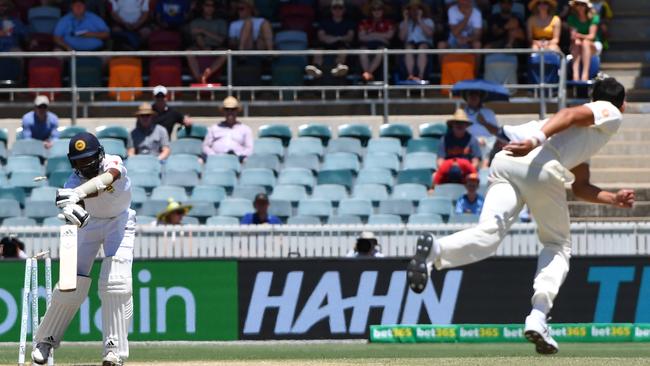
<point x="538" y="182"/>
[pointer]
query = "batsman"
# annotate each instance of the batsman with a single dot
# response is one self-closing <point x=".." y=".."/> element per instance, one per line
<point x="540" y="158"/>
<point x="96" y="198"/>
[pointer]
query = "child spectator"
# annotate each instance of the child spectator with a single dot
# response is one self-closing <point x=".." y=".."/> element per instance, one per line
<point x="544" y="27"/>
<point x="130" y="22"/>
<point x="375" y="33"/>
<point x="416" y="31"/>
<point x="465" y="26"/>
<point x="80" y="30"/>
<point x="459" y="153"/>
<point x="471" y="202"/>
<point x="208" y="33"/>
<point x="250" y="32"/>
<point x="172" y="14"/>
<point x="505" y="28"/>
<point x="585" y="41"/>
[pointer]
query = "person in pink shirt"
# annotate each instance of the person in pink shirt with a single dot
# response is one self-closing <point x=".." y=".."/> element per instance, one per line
<point x="229" y="136"/>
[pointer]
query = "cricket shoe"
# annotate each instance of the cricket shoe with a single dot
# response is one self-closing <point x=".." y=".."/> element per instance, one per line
<point x="41" y="352"/>
<point x="111" y="359"/>
<point x="417" y="271"/>
<point x="536" y="331"/>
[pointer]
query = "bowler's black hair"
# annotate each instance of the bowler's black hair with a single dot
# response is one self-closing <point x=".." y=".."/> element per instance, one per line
<point x="610" y="90"/>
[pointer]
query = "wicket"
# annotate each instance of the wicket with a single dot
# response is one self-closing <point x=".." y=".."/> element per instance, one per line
<point x="30" y="286"/>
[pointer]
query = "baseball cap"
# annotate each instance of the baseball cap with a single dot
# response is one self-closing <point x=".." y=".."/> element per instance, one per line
<point x="41" y="99"/>
<point x="83" y="145"/>
<point x="261" y="197"/>
<point x="159" y="89"/>
<point x="337" y="3"/>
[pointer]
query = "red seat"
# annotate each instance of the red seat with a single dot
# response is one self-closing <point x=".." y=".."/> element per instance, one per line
<point x="165" y="40"/>
<point x="165" y="71"/>
<point x="44" y="73"/>
<point x="41" y="42"/>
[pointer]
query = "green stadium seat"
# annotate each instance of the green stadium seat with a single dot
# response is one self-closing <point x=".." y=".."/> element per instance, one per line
<point x="309" y="161"/>
<point x="13" y="193"/>
<point x="355" y="206"/>
<point x="25" y="180"/>
<point x="320" y="131"/>
<point x="144" y="179"/>
<point x="280" y="208"/>
<point x="66" y="132"/>
<point x="225" y="178"/>
<point x="425" y="144"/>
<point x="409" y="191"/>
<point x="400" y="131"/>
<point x="464" y="219"/>
<point x="164" y="193"/>
<point x="385" y="145"/>
<point x="257" y="161"/>
<point x="442" y="206"/>
<point x="201" y="209"/>
<point x="208" y="193"/>
<point x="289" y="192"/>
<point x="222" y="221"/>
<point x="152" y="208"/>
<point x="247" y="191"/>
<point x="305" y="146"/>
<point x="114" y="147"/>
<point x="315" y="207"/>
<point x="345" y="144"/>
<point x="303" y="220"/>
<point x="330" y="192"/>
<point x="341" y="177"/>
<point x="421" y="160"/>
<point x="220" y="162"/>
<point x="89" y="74"/>
<point x="29" y="147"/>
<point x="19" y="221"/>
<point x="381" y="160"/>
<point x="196" y="132"/>
<point x="9" y="208"/>
<point x="144" y="219"/>
<point x="258" y="176"/>
<point x="40" y="210"/>
<point x="394" y="206"/>
<point x="384" y="219"/>
<point x="341" y="161"/>
<point x="4" y="136"/>
<point x="45" y="193"/>
<point x="375" y="176"/>
<point x="297" y="176"/>
<point x="425" y="219"/>
<point x="235" y="207"/>
<point x="451" y="190"/>
<point x="58" y="178"/>
<point x="187" y="179"/>
<point x="24" y="163"/>
<point x="358" y="131"/>
<point x="268" y="146"/>
<point x="190" y="220"/>
<point x="344" y="220"/>
<point x="433" y="130"/>
<point x="283" y="132"/>
<point x="183" y="163"/>
<point x="138" y="197"/>
<point x="187" y="146"/>
<point x="59" y="148"/>
<point x="52" y="222"/>
<point x="370" y="191"/>
<point x="143" y="163"/>
<point x="419" y="176"/>
<point x="57" y="164"/>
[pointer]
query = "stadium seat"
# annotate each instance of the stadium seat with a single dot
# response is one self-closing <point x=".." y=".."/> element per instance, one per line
<point x="409" y="191"/>
<point x="222" y="221"/>
<point x="384" y="145"/>
<point x="289" y="192"/>
<point x="442" y="206"/>
<point x="344" y="220"/>
<point x="166" y="71"/>
<point x="303" y="220"/>
<point x="9" y="208"/>
<point x="190" y="220"/>
<point x="288" y="71"/>
<point x="305" y="146"/>
<point x="451" y="190"/>
<point x="66" y="132"/>
<point x="375" y="176"/>
<point x="45" y="193"/>
<point x="235" y="207"/>
<point x="551" y="67"/>
<point x="30" y="147"/>
<point x="419" y="176"/>
<point x="125" y="72"/>
<point x="144" y="179"/>
<point x="283" y="132"/>
<point x="309" y="161"/>
<point x="358" y="131"/>
<point x="43" y="19"/>
<point x="196" y="132"/>
<point x="392" y="206"/>
<point x="52" y="222"/>
<point x="297" y="176"/>
<point x="187" y="146"/>
<point x="207" y="193"/>
<point x="455" y="68"/>
<point x="425" y="219"/>
<point x="201" y="209"/>
<point x="39" y="210"/>
<point x="18" y="221"/>
<point x="25" y="180"/>
<point x="384" y="219"/>
<point x="138" y="197"/>
<point x="501" y="68"/>
<point x="183" y="163"/>
<point x="424" y="144"/>
<point x="280" y="208"/>
<point x="225" y="178"/>
<point x="320" y="131"/>
<point x="330" y="192"/>
<point x="10" y="72"/>
<point x="165" y="40"/>
<point x="153" y="207"/>
<point x="165" y="193"/>
<point x="247" y="191"/>
<point x="258" y="176"/>
<point x="381" y="160"/>
<point x="370" y="191"/>
<point x="433" y="130"/>
<point x="3" y="153"/>
<point x="44" y="72"/>
<point x="4" y="136"/>
<point x="114" y="147"/>
<point x="400" y="131"/>
<point x="57" y="164"/>
<point x="113" y="132"/>
<point x="421" y="160"/>
<point x="143" y="163"/>
<point x="463" y="219"/>
<point x="23" y="163"/>
<point x="144" y="220"/>
<point x="89" y="74"/>
<point x="315" y="207"/>
<point x="355" y="206"/>
<point x="268" y="146"/>
<point x="345" y="144"/>
<point x="341" y="161"/>
<point x="58" y="178"/>
<point x="221" y="162"/>
<point x="186" y="179"/>
<point x="259" y="161"/>
<point x="341" y="177"/>
<point x="594" y="68"/>
<point x="13" y="193"/>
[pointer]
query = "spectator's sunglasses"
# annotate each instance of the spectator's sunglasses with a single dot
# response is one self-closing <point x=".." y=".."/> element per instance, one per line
<point x="42" y="106"/>
<point x="337" y="7"/>
<point x="230" y="110"/>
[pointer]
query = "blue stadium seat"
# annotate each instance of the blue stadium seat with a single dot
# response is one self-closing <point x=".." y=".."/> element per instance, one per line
<point x="385" y="145"/>
<point x="341" y="177"/>
<point x="425" y="219"/>
<point x="382" y="161"/>
<point x="235" y="207"/>
<point x="58" y="178"/>
<point x="315" y="207"/>
<point x="208" y="193"/>
<point x="289" y="192"/>
<point x="66" y="132"/>
<point x="147" y="180"/>
<point x="341" y="161"/>
<point x="451" y="190"/>
<point x="183" y="163"/>
<point x="29" y="147"/>
<point x="303" y="220"/>
<point x="268" y="146"/>
<point x="345" y="145"/>
<point x="201" y="209"/>
<point x="195" y="132"/>
<point x="13" y="193"/>
<point x="186" y="179"/>
<point x="220" y="162"/>
<point x="143" y="163"/>
<point x="280" y="208"/>
<point x="39" y="210"/>
<point x="114" y="147"/>
<point x="464" y="219"/>
<point x="421" y="160"/>
<point x="113" y="132"/>
<point x="225" y="178"/>
<point x="356" y="207"/>
<point x="305" y="146"/>
<point x="425" y="144"/>
<point x="9" y="208"/>
<point x="153" y="207"/>
<point x="258" y="176"/>
<point x="24" y="164"/>
<point x="375" y="176"/>
<point x="57" y="163"/>
<point x="247" y="191"/>
<point x="59" y="148"/>
<point x="409" y="191"/>
<point x="297" y="176"/>
<point x="222" y="221"/>
<point x="188" y="146"/>
<point x="19" y="221"/>
<point x="138" y="197"/>
<point x="330" y="192"/>
<point x="283" y="132"/>
<point x="358" y="131"/>
<point x="433" y="130"/>
<point x="320" y="131"/>
<point x="344" y="220"/>
<point x="551" y="67"/>
<point x="309" y="161"/>
<point x="419" y="176"/>
<point x="257" y="161"/>
<point x="144" y="219"/>
<point x="190" y="220"/>
<point x="52" y="222"/>
<point x="436" y="205"/>
<point x="384" y="219"/>
<point x="43" y="19"/>
<point x="370" y="191"/>
<point x="400" y="131"/>
<point x="45" y="193"/>
<point x="164" y="193"/>
<point x="3" y="153"/>
<point x="26" y="180"/>
<point x="393" y="206"/>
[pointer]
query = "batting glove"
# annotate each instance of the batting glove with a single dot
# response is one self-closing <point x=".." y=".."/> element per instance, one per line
<point x="74" y="215"/>
<point x="66" y="196"/>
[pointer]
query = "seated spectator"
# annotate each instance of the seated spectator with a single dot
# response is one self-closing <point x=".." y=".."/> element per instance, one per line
<point x="130" y="19"/>
<point x="13" y="32"/>
<point x="416" y="31"/>
<point x="376" y="32"/>
<point x="41" y="124"/>
<point x="585" y="41"/>
<point x="471" y="202"/>
<point x="505" y="28"/>
<point x="459" y="153"/>
<point x="544" y="27"/>
<point x="208" y="33"/>
<point x="484" y="122"/>
<point x="148" y="138"/>
<point x="261" y="214"/>
<point x="167" y="116"/>
<point x="335" y="33"/>
<point x="173" y="214"/>
<point x="250" y="32"/>
<point x="465" y="26"/>
<point x="96" y="6"/>
<point x="229" y="136"/>
<point x="80" y="30"/>
<point x="172" y="14"/>
<point x="11" y="247"/>
<point x="366" y="247"/>
<point x="604" y="10"/>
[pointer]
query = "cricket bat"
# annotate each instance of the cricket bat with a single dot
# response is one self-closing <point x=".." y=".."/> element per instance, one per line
<point x="68" y="258"/>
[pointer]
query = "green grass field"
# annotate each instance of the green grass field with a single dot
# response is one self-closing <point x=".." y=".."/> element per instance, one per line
<point x="356" y="353"/>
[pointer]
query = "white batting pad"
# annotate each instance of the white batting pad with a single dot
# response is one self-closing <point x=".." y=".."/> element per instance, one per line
<point x="62" y="309"/>
<point x="115" y="290"/>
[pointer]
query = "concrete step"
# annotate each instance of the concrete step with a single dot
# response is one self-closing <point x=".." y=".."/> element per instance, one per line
<point x="637" y="55"/>
<point x="617" y="174"/>
<point x="624" y="44"/>
<point x="620" y="7"/>
<point x="625" y="148"/>
<point x="583" y="209"/>
<point x="638" y="95"/>
<point x="630" y="28"/>
<point x="620" y="161"/>
<point x="632" y="134"/>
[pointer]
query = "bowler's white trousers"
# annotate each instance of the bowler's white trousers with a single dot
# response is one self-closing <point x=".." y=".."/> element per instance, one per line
<point x="538" y="181"/>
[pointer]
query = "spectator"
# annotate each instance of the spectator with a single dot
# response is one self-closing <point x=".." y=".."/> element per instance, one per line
<point x="208" y="33"/>
<point x="544" y="27"/>
<point x="148" y="138"/>
<point x="173" y="214"/>
<point x="484" y="122"/>
<point x="11" y="247"/>
<point x="229" y="136"/>
<point x="376" y="32"/>
<point x="366" y="247"/>
<point x="604" y="10"/>
<point x="585" y="41"/>
<point x="130" y="19"/>
<point x="172" y="14"/>
<point x="465" y="26"/>
<point x="459" y="153"/>
<point x="80" y="30"/>
<point x="505" y="28"/>
<point x="416" y="31"/>
<point x="13" y="31"/>
<point x="96" y="6"/>
<point x="261" y="214"/>
<point x="250" y="32"/>
<point x="167" y="116"/>
<point x="41" y="124"/>
<point x="471" y="202"/>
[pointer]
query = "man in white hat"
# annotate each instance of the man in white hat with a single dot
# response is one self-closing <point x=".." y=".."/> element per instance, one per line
<point x="229" y="136"/>
<point x="366" y="247"/>
<point x="148" y="138"/>
<point x="167" y="116"/>
<point x="41" y="124"/>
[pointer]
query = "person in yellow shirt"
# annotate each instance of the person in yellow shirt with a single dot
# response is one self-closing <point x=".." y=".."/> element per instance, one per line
<point x="544" y="27"/>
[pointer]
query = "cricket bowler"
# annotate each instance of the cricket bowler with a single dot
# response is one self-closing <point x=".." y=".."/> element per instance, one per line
<point x="96" y="198"/>
<point x="540" y="158"/>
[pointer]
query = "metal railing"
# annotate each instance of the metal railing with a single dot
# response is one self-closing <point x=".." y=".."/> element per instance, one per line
<point x="383" y="89"/>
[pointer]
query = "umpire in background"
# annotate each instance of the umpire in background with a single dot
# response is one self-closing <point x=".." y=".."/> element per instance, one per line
<point x="167" y="116"/>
